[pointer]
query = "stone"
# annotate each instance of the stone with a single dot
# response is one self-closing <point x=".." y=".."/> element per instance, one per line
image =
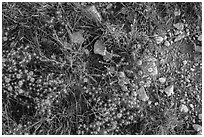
<point x="180" y="37"/>
<point x="142" y="94"/>
<point x="177" y="12"/>
<point x="94" y="13"/>
<point x="169" y="90"/>
<point x="200" y="116"/>
<point x="167" y="43"/>
<point x="200" y="38"/>
<point x="197" y="127"/>
<point x="198" y="48"/>
<point x="162" y="80"/>
<point x="159" y="39"/>
<point x="184" y="108"/>
<point x="99" y="48"/>
<point x="121" y="74"/>
<point x="179" y="26"/>
<point x="77" y="38"/>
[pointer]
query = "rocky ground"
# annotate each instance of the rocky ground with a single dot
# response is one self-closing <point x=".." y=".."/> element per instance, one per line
<point x="102" y="68"/>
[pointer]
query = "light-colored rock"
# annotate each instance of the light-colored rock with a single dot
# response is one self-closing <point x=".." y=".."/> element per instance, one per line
<point x="99" y="48"/>
<point x="200" y="116"/>
<point x="184" y="108"/>
<point x="198" y="48"/>
<point x="200" y="37"/>
<point x="180" y="37"/>
<point x="94" y="13"/>
<point x="179" y="26"/>
<point x="167" y="43"/>
<point x="159" y="39"/>
<point x="142" y="94"/>
<point x="197" y="127"/>
<point x="169" y="90"/>
<point x="162" y="80"/>
<point x="77" y="38"/>
<point x="177" y="12"/>
<point x="139" y="62"/>
<point x="199" y="133"/>
<point x="191" y="105"/>
<point x="121" y="74"/>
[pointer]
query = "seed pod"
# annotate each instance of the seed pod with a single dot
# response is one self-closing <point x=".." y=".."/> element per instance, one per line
<point x="94" y="13"/>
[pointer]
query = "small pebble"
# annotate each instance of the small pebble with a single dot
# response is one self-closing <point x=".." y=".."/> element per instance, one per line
<point x="5" y="38"/>
<point x="200" y="116"/>
<point x="167" y="43"/>
<point x="180" y="37"/>
<point x="159" y="39"/>
<point x="142" y="94"/>
<point x="185" y="62"/>
<point x="191" y="105"/>
<point x="197" y="127"/>
<point x="179" y="26"/>
<point x="139" y="62"/>
<point x="198" y="49"/>
<point x="184" y="108"/>
<point x="200" y="38"/>
<point x="99" y="48"/>
<point x="169" y="90"/>
<point x="162" y="80"/>
<point x="86" y="80"/>
<point x="177" y="12"/>
<point x="77" y="38"/>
